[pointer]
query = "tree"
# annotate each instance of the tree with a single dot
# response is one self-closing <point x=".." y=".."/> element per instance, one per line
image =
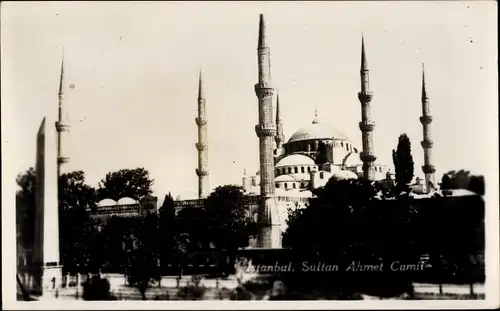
<point x="463" y="179"/>
<point x="78" y="231"/>
<point x="167" y="229"/>
<point x="116" y="238"/>
<point x="143" y="255"/>
<point x="133" y="183"/>
<point x="231" y="223"/>
<point x="25" y="208"/>
<point x="345" y="223"/>
<point x="403" y="162"/>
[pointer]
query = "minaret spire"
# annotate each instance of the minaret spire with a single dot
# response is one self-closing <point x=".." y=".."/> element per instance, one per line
<point x="262" y="33"/>
<point x="62" y="126"/>
<point x="424" y="91"/>
<point x="316" y="116"/>
<point x="280" y="136"/>
<point x="270" y="232"/>
<point x="202" y="144"/>
<point x="366" y="125"/>
<point x="364" y="63"/>
<point x="426" y="119"/>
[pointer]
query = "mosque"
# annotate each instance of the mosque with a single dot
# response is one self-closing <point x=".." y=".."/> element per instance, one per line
<point x="290" y="170"/>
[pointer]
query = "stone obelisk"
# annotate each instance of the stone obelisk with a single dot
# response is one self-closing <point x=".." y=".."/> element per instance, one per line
<point x="47" y="269"/>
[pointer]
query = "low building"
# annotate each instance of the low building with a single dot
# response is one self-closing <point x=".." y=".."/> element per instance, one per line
<point x="125" y="207"/>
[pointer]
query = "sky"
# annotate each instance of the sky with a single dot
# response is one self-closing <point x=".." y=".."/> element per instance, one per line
<point x="134" y="67"/>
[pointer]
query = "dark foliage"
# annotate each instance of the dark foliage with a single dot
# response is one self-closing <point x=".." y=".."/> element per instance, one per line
<point x="346" y="224"/>
<point x="133" y="183"/>
<point x="97" y="288"/>
<point x="463" y="180"/>
<point x="403" y="162"/>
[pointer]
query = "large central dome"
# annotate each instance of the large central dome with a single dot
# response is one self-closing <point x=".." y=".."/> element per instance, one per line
<point x="317" y="131"/>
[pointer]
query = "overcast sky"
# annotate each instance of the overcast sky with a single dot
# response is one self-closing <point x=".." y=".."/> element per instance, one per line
<point x="134" y="67"/>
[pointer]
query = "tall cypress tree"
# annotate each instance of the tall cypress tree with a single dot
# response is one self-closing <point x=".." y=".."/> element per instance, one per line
<point x="403" y="162"/>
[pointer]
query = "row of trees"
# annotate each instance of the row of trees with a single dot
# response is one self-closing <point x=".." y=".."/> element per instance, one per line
<point x="344" y="223"/>
<point x="75" y="198"/>
<point x="136" y="245"/>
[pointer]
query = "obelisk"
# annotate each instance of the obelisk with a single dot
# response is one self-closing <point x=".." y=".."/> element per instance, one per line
<point x="48" y="271"/>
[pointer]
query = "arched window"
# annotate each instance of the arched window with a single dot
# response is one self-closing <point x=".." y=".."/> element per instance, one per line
<point x="342" y="144"/>
<point x="309" y="169"/>
<point x="355" y="150"/>
<point x="286" y="185"/>
<point x="294" y="186"/>
<point x="296" y="170"/>
<point x="289" y="170"/>
<point x="321" y="175"/>
<point x="277" y="185"/>
<point x="302" y="169"/>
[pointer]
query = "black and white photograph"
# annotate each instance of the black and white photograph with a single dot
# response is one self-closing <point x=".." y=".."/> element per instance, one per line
<point x="164" y="155"/>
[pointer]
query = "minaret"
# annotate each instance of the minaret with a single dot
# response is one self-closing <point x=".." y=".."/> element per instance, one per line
<point x="366" y="125"/>
<point x="426" y="120"/>
<point x="62" y="126"/>
<point x="280" y="136"/>
<point x="202" y="144"/>
<point x="270" y="234"/>
<point x="316" y="116"/>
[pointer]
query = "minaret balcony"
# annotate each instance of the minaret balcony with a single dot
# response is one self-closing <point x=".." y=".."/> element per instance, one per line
<point x="367" y="157"/>
<point x="428" y="169"/>
<point x="61" y="127"/>
<point x="263" y="90"/>
<point x="425" y="119"/>
<point x="201" y="172"/>
<point x="201" y="146"/>
<point x="62" y="160"/>
<point x="263" y="130"/>
<point x="200" y="121"/>
<point x="365" y="97"/>
<point x="366" y="126"/>
<point x="427" y="144"/>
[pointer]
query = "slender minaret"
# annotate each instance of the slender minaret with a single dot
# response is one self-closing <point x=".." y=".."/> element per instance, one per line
<point x="426" y="120"/>
<point x="62" y="126"/>
<point x="366" y="125"/>
<point x="280" y="136"/>
<point x="270" y="234"/>
<point x="202" y="144"/>
<point x="316" y="116"/>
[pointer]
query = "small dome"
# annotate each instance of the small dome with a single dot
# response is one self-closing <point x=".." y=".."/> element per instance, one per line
<point x="317" y="131"/>
<point x="295" y="159"/>
<point x="106" y="202"/>
<point x="126" y="201"/>
<point x="301" y="176"/>
<point x="345" y="175"/>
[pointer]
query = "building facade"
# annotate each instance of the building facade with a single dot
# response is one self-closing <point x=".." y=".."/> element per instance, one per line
<point x="291" y="169"/>
<point x="125" y="207"/>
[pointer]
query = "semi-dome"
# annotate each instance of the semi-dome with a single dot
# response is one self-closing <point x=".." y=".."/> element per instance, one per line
<point x="126" y="201"/>
<point x="106" y="202"/>
<point x="353" y="160"/>
<point x="344" y="174"/>
<point x="317" y="131"/>
<point x="295" y="159"/>
<point x="284" y="178"/>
